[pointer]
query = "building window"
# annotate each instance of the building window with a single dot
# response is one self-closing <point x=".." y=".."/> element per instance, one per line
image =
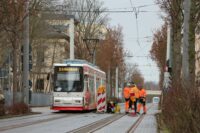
<point x="40" y="85"/>
<point x="40" y="56"/>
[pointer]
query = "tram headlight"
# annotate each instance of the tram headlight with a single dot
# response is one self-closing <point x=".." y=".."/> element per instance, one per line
<point x="77" y="101"/>
<point x="58" y="88"/>
<point x="57" y="101"/>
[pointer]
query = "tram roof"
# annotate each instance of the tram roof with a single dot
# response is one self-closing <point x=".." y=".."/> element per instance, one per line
<point x="77" y="62"/>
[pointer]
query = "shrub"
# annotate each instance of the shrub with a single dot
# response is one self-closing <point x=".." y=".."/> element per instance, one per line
<point x="18" y="108"/>
<point x="2" y="110"/>
<point x="181" y="109"/>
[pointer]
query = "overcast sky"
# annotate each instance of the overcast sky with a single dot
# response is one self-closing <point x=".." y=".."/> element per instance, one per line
<point x="137" y="39"/>
<point x="148" y="22"/>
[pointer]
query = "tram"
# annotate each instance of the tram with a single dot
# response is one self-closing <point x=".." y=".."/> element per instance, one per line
<point x="75" y="85"/>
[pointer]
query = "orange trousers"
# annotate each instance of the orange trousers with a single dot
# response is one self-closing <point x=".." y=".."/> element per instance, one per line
<point x="144" y="107"/>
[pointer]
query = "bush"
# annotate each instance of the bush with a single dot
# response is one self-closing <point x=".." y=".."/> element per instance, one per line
<point x="18" y="108"/>
<point x="2" y="110"/>
<point x="181" y="109"/>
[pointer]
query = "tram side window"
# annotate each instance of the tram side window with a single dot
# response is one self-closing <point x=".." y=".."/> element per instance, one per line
<point x="86" y="85"/>
<point x="97" y="83"/>
<point x="91" y="83"/>
<point x="91" y="88"/>
<point x="103" y="82"/>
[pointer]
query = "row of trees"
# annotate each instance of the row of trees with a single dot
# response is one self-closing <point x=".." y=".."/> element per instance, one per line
<point x="92" y="24"/>
<point x="181" y="103"/>
<point x="12" y="15"/>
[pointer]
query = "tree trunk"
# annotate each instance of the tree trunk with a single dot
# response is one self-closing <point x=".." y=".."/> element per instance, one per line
<point x="192" y="26"/>
<point x="176" y="51"/>
<point x="15" y="82"/>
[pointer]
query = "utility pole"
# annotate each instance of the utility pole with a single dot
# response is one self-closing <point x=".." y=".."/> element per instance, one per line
<point x="185" y="55"/>
<point x="116" y="82"/>
<point x="168" y="67"/>
<point x="109" y="85"/>
<point x="9" y="82"/>
<point x="26" y="55"/>
<point x="72" y="38"/>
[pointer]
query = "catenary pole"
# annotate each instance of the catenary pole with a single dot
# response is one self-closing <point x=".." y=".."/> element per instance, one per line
<point x="167" y="80"/>
<point x="116" y="82"/>
<point x="26" y="55"/>
<point x="185" y="55"/>
<point x="71" y="38"/>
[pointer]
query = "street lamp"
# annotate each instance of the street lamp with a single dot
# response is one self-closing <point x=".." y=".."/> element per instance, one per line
<point x="127" y="55"/>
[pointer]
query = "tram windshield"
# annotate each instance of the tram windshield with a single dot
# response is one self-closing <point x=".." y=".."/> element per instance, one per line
<point x="68" y="79"/>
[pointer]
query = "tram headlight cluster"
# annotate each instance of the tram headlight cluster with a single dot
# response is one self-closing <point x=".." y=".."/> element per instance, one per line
<point x="77" y="101"/>
<point x="67" y="101"/>
<point x="58" y="89"/>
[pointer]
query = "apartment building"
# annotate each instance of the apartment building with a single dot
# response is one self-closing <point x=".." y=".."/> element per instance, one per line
<point x="48" y="49"/>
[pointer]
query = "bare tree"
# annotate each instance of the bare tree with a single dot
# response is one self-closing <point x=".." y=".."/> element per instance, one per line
<point x="158" y="50"/>
<point x="12" y="14"/>
<point x="134" y="74"/>
<point x="174" y="10"/>
<point x="91" y="24"/>
<point x="175" y="17"/>
<point x="193" y="26"/>
<point x="110" y="54"/>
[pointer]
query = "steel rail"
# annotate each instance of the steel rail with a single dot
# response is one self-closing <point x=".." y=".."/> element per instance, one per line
<point x="32" y="122"/>
<point x="90" y="128"/>
<point x="138" y="121"/>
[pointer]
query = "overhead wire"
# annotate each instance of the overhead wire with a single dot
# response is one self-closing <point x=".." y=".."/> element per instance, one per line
<point x="132" y="7"/>
<point x="97" y="11"/>
<point x="136" y="12"/>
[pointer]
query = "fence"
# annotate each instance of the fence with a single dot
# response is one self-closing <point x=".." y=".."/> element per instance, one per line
<point x="37" y="99"/>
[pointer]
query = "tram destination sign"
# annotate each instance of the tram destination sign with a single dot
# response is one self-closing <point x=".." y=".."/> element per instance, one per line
<point x="67" y="69"/>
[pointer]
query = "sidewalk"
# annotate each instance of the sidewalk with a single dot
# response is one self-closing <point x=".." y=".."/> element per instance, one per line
<point x="149" y="123"/>
<point x="43" y="110"/>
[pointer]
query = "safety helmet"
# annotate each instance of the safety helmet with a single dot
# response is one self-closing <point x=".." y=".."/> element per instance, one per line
<point x="128" y="84"/>
<point x="139" y="86"/>
<point x="132" y="83"/>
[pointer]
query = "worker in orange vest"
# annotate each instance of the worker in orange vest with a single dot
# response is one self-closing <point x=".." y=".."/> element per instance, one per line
<point x="134" y="95"/>
<point x="126" y="93"/>
<point x="142" y="99"/>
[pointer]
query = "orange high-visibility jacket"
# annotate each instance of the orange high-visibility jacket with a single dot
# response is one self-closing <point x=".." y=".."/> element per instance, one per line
<point x="142" y="93"/>
<point x="134" y="93"/>
<point x="126" y="92"/>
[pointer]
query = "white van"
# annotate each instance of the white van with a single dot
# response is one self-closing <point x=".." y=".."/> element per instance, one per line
<point x="156" y="99"/>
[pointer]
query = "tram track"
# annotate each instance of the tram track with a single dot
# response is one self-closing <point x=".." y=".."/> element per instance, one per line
<point x="90" y="128"/>
<point x="24" y="124"/>
<point x="95" y="126"/>
<point x="136" y="124"/>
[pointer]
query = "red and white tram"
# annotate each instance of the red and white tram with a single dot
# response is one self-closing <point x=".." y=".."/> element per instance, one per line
<point x="75" y="85"/>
